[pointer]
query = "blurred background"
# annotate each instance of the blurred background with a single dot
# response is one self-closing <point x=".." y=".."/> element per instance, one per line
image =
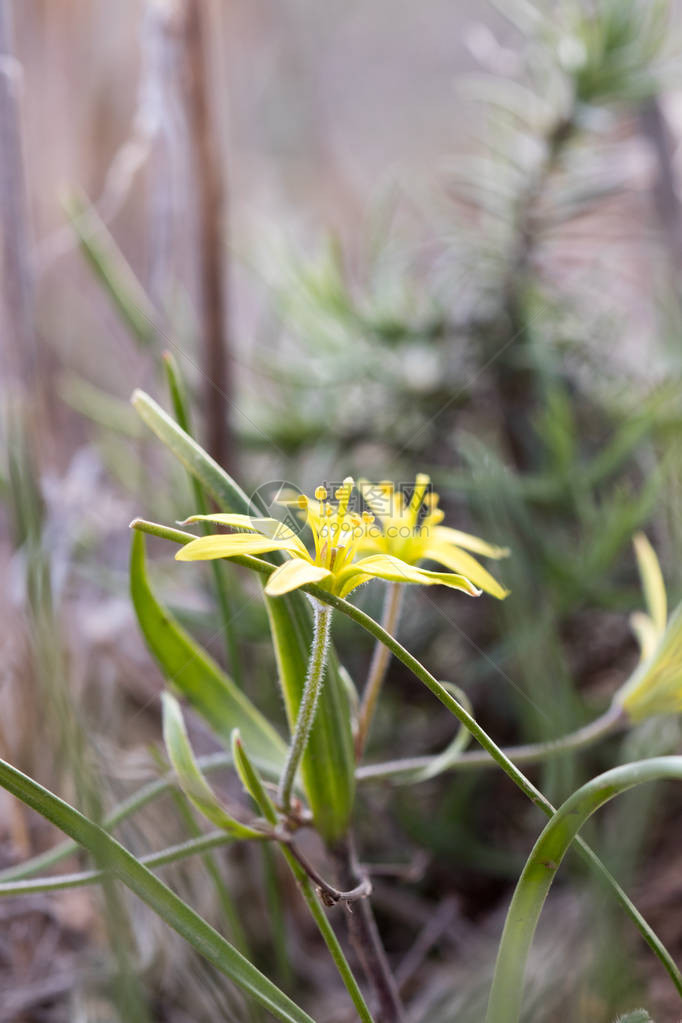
<point x="377" y="239"/>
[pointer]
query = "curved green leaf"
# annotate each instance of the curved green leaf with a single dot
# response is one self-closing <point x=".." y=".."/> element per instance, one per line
<point x="158" y="896"/>
<point x="196" y="675"/>
<point x="192" y="781"/>
<point x="540" y="870"/>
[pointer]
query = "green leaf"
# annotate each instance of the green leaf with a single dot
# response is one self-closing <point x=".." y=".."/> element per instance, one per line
<point x="192" y="781"/>
<point x="328" y="768"/>
<point x="506" y="993"/>
<point x="196" y="675"/>
<point x="198" y="462"/>
<point x="251" y="779"/>
<point x="111" y="267"/>
<point x="176" y="913"/>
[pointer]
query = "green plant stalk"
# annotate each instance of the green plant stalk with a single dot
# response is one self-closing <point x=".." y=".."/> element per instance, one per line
<point x="275" y="908"/>
<point x="327" y="932"/>
<point x="256" y="789"/>
<point x="308" y="706"/>
<point x="181" y="410"/>
<point x="377" y="670"/>
<point x="176" y="913"/>
<point x="530" y="753"/>
<point x="192" y="847"/>
<point x="506" y="994"/>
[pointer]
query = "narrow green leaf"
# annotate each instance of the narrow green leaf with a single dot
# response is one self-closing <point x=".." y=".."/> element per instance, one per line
<point x="112" y="269"/>
<point x="198" y="462"/>
<point x="251" y="779"/>
<point x="192" y="781"/>
<point x="176" y="913"/>
<point x="328" y="765"/>
<point x="506" y="993"/>
<point x="196" y="675"/>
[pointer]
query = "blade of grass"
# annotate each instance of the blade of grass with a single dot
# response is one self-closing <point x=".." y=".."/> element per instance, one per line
<point x="112" y="269"/>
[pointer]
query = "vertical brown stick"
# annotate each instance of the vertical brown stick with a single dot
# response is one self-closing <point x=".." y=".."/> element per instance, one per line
<point x="211" y="224"/>
<point x="18" y="355"/>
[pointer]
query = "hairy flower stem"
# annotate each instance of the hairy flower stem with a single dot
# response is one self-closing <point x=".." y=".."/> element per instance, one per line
<point x="309" y="701"/>
<point x="377" y="670"/>
<point x="365" y="939"/>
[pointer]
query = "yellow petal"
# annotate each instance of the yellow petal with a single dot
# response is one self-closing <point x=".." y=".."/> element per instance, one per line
<point x="459" y="561"/>
<point x="652" y="581"/>
<point x="469" y="542"/>
<point x="656" y="685"/>
<point x="646" y="632"/>
<point x="353" y="582"/>
<point x="272" y="528"/>
<point x="227" y="545"/>
<point x="293" y="574"/>
<point x="385" y="566"/>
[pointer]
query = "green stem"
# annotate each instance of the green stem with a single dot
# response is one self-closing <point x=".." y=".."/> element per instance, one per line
<point x="613" y="719"/>
<point x="330" y="939"/>
<point x="531" y="891"/>
<point x="377" y="670"/>
<point x="192" y="847"/>
<point x="254" y="786"/>
<point x="308" y="704"/>
<point x="158" y="896"/>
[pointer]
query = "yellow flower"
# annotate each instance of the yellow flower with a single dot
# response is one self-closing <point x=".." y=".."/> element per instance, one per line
<point x="401" y="533"/>
<point x="334" y="564"/>
<point x="656" y="685"/>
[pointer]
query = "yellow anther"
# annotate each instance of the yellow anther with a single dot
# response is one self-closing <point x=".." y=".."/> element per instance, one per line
<point x="422" y="479"/>
<point x="431" y="499"/>
<point x="367" y="517"/>
<point x="386" y="486"/>
<point x="320" y="493"/>
<point x="302" y="501"/>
